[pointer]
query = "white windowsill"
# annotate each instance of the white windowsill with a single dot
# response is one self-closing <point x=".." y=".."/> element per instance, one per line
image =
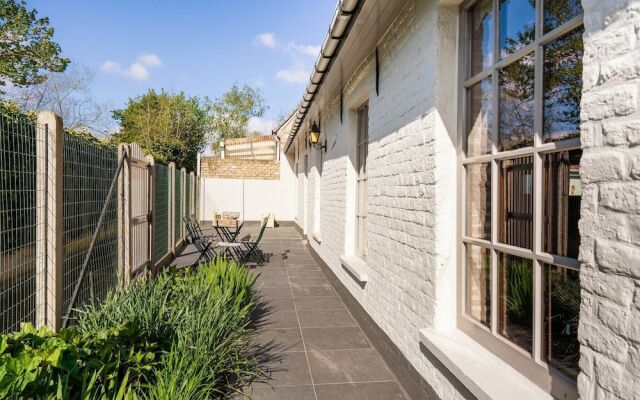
<point x="482" y="372"/>
<point x="356" y="266"/>
<point x="316" y="237"/>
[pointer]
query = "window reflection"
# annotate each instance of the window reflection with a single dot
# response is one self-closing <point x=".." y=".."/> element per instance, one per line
<point x="516" y="104"/>
<point x="480" y="118"/>
<point x="563" y="86"/>
<point x="517" y="25"/>
<point x="516" y="202"/>
<point x="515" y="303"/>
<point x="557" y="12"/>
<point x="481" y="36"/>
<point x="479" y="284"/>
<point x="562" y="196"/>
<point x="479" y="201"/>
<point x="561" y="316"/>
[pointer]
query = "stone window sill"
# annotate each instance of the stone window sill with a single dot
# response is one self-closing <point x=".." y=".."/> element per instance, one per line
<point x="482" y="372"/>
<point x="356" y="266"/>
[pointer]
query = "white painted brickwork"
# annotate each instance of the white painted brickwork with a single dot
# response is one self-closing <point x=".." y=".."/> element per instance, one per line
<point x="404" y="259"/>
<point x="610" y="221"/>
<point x="412" y="186"/>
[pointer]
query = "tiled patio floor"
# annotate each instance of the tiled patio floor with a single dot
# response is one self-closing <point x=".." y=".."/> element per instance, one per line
<point x="320" y="351"/>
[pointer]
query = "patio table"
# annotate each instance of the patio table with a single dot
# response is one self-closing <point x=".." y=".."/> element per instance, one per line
<point x="228" y="227"/>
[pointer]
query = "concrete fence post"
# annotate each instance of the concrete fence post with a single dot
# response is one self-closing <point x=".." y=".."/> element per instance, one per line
<point x="183" y="173"/>
<point x="50" y="268"/>
<point x="172" y="207"/>
<point x="124" y="217"/>
<point x="152" y="210"/>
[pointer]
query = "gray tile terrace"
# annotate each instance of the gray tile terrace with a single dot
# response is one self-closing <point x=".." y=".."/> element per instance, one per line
<point x="320" y="352"/>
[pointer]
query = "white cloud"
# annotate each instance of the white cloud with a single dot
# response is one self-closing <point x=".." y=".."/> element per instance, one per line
<point x="298" y="73"/>
<point x="308" y="50"/>
<point x="267" y="40"/>
<point x="138" y="70"/>
<point x="261" y="125"/>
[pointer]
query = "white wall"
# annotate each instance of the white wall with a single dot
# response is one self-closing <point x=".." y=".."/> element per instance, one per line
<point x="252" y="198"/>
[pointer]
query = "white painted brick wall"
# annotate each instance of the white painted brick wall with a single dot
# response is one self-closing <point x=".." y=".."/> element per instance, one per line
<point x="412" y="184"/>
<point x="610" y="221"/>
<point x="404" y="124"/>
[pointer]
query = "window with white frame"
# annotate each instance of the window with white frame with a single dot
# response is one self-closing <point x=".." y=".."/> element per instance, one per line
<point x="361" y="171"/>
<point x="520" y="182"/>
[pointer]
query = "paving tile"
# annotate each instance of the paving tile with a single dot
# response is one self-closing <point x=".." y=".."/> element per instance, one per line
<point x="307" y="282"/>
<point x="341" y="366"/>
<point x="289" y="369"/>
<point x="303" y="273"/>
<point x="325" y="318"/>
<point x="303" y="268"/>
<point x="280" y="303"/>
<point x="266" y="283"/>
<point x="313" y="291"/>
<point x="281" y="393"/>
<point x="361" y="391"/>
<point x="282" y="319"/>
<point x="281" y="340"/>
<point x="275" y="292"/>
<point x="332" y="338"/>
<point x="318" y="303"/>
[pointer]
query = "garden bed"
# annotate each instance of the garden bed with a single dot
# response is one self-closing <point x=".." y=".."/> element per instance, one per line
<point x="183" y="335"/>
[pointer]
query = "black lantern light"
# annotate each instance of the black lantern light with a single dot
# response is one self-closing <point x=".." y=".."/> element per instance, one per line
<point x="314" y="136"/>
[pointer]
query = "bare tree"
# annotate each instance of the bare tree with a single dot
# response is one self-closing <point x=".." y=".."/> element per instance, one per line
<point x="68" y="94"/>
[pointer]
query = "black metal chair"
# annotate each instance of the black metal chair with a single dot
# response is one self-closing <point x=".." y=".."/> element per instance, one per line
<point x="205" y="247"/>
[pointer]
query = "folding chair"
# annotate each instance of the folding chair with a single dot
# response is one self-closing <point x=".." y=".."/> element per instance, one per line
<point x="205" y="247"/>
<point x="251" y="249"/>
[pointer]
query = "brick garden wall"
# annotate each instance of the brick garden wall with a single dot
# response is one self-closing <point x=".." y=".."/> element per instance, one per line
<point x="214" y="167"/>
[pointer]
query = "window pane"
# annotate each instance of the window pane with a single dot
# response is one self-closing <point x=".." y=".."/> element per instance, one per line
<point x="562" y="312"/>
<point x="557" y="12"/>
<point x="480" y="118"/>
<point x="515" y="302"/>
<point x="516" y="202"/>
<point x="479" y="284"/>
<point x="517" y="25"/>
<point x="481" y="36"/>
<point x="479" y="201"/>
<point x="562" y="195"/>
<point x="516" y="104"/>
<point x="563" y="86"/>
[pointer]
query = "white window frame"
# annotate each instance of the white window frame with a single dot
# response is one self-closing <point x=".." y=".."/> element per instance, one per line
<point x="362" y="150"/>
<point x="531" y="365"/>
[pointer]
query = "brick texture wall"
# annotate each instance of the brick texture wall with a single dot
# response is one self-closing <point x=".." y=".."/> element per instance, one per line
<point x="610" y="216"/>
<point x="214" y="167"/>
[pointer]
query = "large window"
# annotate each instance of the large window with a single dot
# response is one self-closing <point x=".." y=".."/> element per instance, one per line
<point x="361" y="196"/>
<point x="521" y="185"/>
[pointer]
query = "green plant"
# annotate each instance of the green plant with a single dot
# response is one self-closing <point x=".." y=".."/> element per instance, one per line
<point x="183" y="335"/>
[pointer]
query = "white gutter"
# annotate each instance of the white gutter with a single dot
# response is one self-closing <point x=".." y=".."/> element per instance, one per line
<point x="343" y="19"/>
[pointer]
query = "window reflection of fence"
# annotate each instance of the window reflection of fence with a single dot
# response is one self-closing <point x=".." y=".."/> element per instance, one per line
<point x="516" y="202"/>
<point x="75" y="216"/>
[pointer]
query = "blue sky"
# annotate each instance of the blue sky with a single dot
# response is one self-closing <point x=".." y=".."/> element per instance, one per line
<point x="197" y="46"/>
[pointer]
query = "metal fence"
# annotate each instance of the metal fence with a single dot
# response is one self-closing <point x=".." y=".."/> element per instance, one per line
<point x="89" y="170"/>
<point x="19" y="159"/>
<point x="77" y="219"/>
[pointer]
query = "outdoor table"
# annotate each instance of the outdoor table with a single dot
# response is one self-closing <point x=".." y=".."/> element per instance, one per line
<point x="228" y="228"/>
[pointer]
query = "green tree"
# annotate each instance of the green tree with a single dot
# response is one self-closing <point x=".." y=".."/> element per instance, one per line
<point x="232" y="111"/>
<point x="169" y="126"/>
<point x="26" y="46"/>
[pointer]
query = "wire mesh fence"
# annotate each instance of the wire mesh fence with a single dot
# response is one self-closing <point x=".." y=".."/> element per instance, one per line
<point x="19" y="140"/>
<point x="161" y="216"/>
<point x="89" y="170"/>
<point x="187" y="201"/>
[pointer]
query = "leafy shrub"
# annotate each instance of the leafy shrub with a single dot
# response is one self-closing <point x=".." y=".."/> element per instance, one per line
<point x="183" y="335"/>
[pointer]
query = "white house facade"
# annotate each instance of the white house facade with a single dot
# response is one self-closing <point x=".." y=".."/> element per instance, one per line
<point x="475" y="191"/>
